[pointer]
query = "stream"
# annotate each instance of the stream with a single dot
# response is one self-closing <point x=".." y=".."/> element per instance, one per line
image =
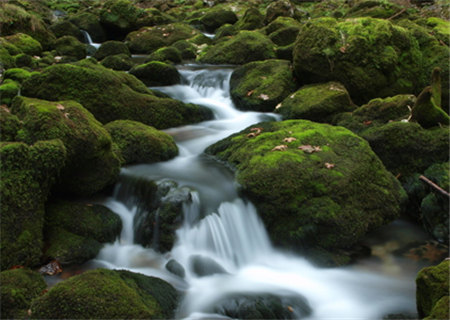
<point x="220" y="225"/>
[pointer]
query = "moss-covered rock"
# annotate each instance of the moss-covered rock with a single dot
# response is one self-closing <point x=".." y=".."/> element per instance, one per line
<point x="280" y="8"/>
<point x="166" y="54"/>
<point x="119" y="62"/>
<point x="23" y="60"/>
<point x="149" y="39"/>
<point x="25" y="43"/>
<point x="74" y="232"/>
<point x="261" y="85"/>
<point x="27" y="174"/>
<point x="17" y="74"/>
<point x="150" y="73"/>
<point x="281" y="23"/>
<point x="90" y="23"/>
<point x="66" y="28"/>
<point x="111" y="95"/>
<point x="373" y="8"/>
<point x="6" y="58"/>
<point x="9" y="124"/>
<point x="407" y="148"/>
<point x="316" y="186"/>
<point x="18" y="288"/>
<point x="91" y="163"/>
<point x="370" y="57"/>
<point x="246" y="46"/>
<point x="108" y="294"/>
<point x="187" y="50"/>
<point x="317" y="102"/>
<point x="110" y="48"/>
<point x="139" y="143"/>
<point x="251" y="20"/>
<point x="227" y="30"/>
<point x="8" y="90"/>
<point x="214" y="18"/>
<point x="432" y="284"/>
<point x="70" y="46"/>
<point x="441" y="29"/>
<point x="284" y="36"/>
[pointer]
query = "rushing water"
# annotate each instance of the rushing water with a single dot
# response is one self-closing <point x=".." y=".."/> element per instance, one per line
<point x="218" y="224"/>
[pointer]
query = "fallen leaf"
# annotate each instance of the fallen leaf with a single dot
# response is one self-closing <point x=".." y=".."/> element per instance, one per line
<point x="60" y="107"/>
<point x="292" y="96"/>
<point x="17" y="267"/>
<point x="250" y="93"/>
<point x="66" y="115"/>
<point x="166" y="34"/>
<point x="290" y="309"/>
<point x="288" y="140"/>
<point x="367" y="122"/>
<point x="342" y="49"/>
<point x="255" y="131"/>
<point x="29" y="312"/>
<point x="263" y="77"/>
<point x="281" y="147"/>
<point x="4" y="107"/>
<point x="278" y="106"/>
<point x="309" y="148"/>
<point x="329" y="165"/>
<point x="263" y="96"/>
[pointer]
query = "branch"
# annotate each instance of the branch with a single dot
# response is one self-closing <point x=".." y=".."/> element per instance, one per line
<point x="434" y="185"/>
<point x="397" y="14"/>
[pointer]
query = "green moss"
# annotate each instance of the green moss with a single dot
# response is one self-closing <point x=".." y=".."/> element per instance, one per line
<point x="214" y="18"/>
<point x="25" y="43"/>
<point x="24" y="60"/>
<point x="441" y="28"/>
<point x="432" y="284"/>
<point x="27" y="174"/>
<point x="93" y="86"/>
<point x="166" y="54"/>
<point x="66" y="28"/>
<point x="9" y="125"/>
<point x="251" y="20"/>
<point x="261" y="85"/>
<point x="108" y="294"/>
<point x="187" y="49"/>
<point x="303" y="203"/>
<point x="6" y="59"/>
<point x="440" y="309"/>
<point x="316" y="102"/>
<point x="17" y="74"/>
<point x="280" y="8"/>
<point x="8" y="90"/>
<point x="118" y="62"/>
<point x="120" y="16"/>
<point x="285" y="36"/>
<point x="281" y="23"/>
<point x="246" y="46"/>
<point x="70" y="46"/>
<point x="91" y="164"/>
<point x="110" y="48"/>
<point x="139" y="143"/>
<point x="18" y="288"/>
<point x="374" y="8"/>
<point x="89" y="22"/>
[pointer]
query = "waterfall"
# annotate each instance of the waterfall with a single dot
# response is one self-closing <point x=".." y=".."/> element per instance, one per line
<point x="88" y="40"/>
<point x="225" y="230"/>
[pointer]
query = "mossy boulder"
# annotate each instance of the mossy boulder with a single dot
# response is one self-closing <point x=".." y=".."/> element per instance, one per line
<point x="216" y="17"/>
<point x="17" y="74"/>
<point x="9" y="123"/>
<point x="139" y="143"/>
<point x="281" y="23"/>
<point x="107" y="294"/>
<point x="377" y="112"/>
<point x="370" y="57"/>
<point x="90" y="23"/>
<point x="280" y="8"/>
<point x="18" y="288"/>
<point x="70" y="46"/>
<point x="23" y="60"/>
<point x="284" y="36"/>
<point x="110" y="48"/>
<point x="441" y="29"/>
<point x="7" y="60"/>
<point x="8" y="90"/>
<point x="432" y="285"/>
<point x="187" y="50"/>
<point x="261" y="85"/>
<point x="373" y="8"/>
<point x="150" y="73"/>
<point x="74" y="232"/>
<point x="246" y="46"/>
<point x="91" y="163"/>
<point x="149" y="39"/>
<point x="66" y="28"/>
<point x="251" y="20"/>
<point x="227" y="30"/>
<point x="166" y="54"/>
<point x="25" y="43"/>
<point x="406" y="147"/>
<point x="316" y="186"/>
<point x="111" y="95"/>
<point x="317" y="102"/>
<point x="27" y="174"/>
<point x="118" y="62"/>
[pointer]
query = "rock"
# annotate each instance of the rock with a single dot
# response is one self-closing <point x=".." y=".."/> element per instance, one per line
<point x="8" y="90"/>
<point x="304" y="202"/>
<point x="17" y="74"/>
<point x="27" y="174"/>
<point x="263" y="306"/>
<point x="70" y="46"/>
<point x="91" y="163"/>
<point x="19" y="287"/>
<point x="110" y="48"/>
<point x="118" y="62"/>
<point x="176" y="268"/>
<point x="261" y="85"/>
<point x="74" y="232"/>
<point x="319" y="102"/>
<point x="373" y="8"/>
<point x="107" y="294"/>
<point x="281" y="23"/>
<point x="66" y="28"/>
<point x="93" y="86"/>
<point x="251" y="20"/>
<point x="9" y="123"/>
<point x="284" y="36"/>
<point x="407" y="148"/>
<point x="90" y="23"/>
<point x="214" y="18"/>
<point x="139" y="143"/>
<point x="432" y="291"/>
<point x="23" y="60"/>
<point x="6" y="58"/>
<point x="25" y="43"/>
<point x="380" y="65"/>
<point x="166" y="54"/>
<point x="204" y="266"/>
<point x="186" y="49"/>
<point x="280" y="8"/>
<point x="246" y="46"/>
<point x="227" y="30"/>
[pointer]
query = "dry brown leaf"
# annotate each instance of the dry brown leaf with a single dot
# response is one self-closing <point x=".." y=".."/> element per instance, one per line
<point x="278" y="106"/>
<point x="66" y="115"/>
<point x="329" y="165"/>
<point x="290" y="309"/>
<point x="60" y="107"/>
<point x="342" y="49"/>
<point x="281" y="147"/>
<point x="263" y="77"/>
<point x="250" y="93"/>
<point x="263" y="96"/>
<point x="309" y="148"/>
<point x="367" y="122"/>
<point x="289" y="139"/>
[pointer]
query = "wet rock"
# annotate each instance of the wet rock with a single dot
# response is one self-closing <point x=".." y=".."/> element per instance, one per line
<point x="204" y="266"/>
<point x="215" y="18"/>
<point x="251" y="20"/>
<point x="176" y="268"/>
<point x="118" y="62"/>
<point x="66" y="28"/>
<point x="110" y="48"/>
<point x="70" y="46"/>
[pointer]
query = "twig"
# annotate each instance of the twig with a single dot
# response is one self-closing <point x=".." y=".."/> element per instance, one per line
<point x="397" y="14"/>
<point x="434" y="185"/>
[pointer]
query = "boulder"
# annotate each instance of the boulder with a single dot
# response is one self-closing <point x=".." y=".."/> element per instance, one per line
<point x="17" y="74"/>
<point x="111" y="95"/>
<point x="261" y="85"/>
<point x="187" y="50"/>
<point x="251" y="20"/>
<point x="139" y="143"/>
<point x="246" y="46"/>
<point x="214" y="18"/>
<point x="23" y="60"/>
<point x="66" y="28"/>
<point x="280" y="8"/>
<point x="118" y="62"/>
<point x="432" y="291"/>
<point x="315" y="185"/>
<point x="18" y="288"/>
<point x="317" y="102"/>
<point x="70" y="46"/>
<point x="107" y="294"/>
<point x="9" y="123"/>
<point x="27" y="174"/>
<point x="166" y="54"/>
<point x="25" y="43"/>
<point x="110" y="48"/>
<point x="91" y="163"/>
<point x="90" y="23"/>
<point x="174" y="267"/>
<point x="8" y="90"/>
<point x="203" y="266"/>
<point x="281" y="23"/>
<point x="373" y="8"/>
<point x="284" y="36"/>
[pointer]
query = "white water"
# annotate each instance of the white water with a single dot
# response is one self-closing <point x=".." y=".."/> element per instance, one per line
<point x="230" y="232"/>
<point x="89" y="41"/>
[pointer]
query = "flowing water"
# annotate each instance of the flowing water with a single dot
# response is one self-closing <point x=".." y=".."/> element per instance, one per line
<point x="221" y="226"/>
